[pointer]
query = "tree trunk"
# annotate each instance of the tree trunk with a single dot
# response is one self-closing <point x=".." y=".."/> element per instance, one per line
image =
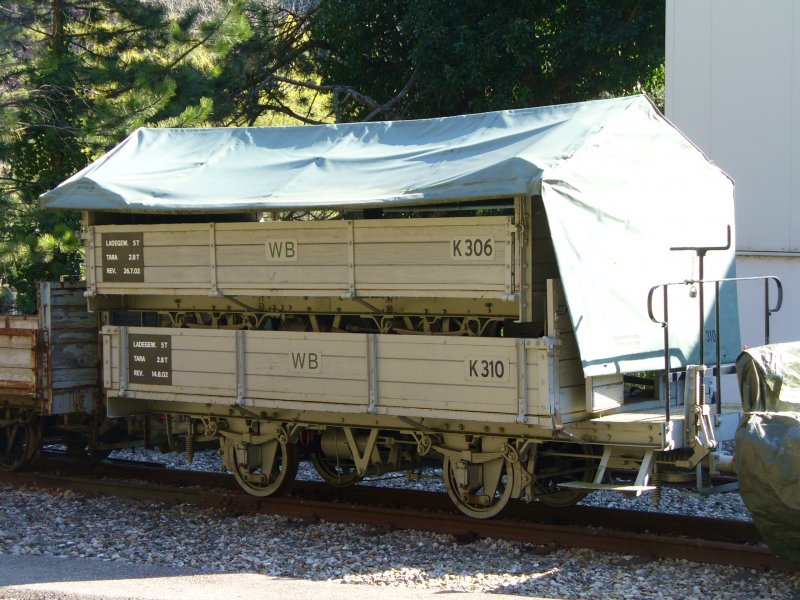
<point x="57" y="35"/>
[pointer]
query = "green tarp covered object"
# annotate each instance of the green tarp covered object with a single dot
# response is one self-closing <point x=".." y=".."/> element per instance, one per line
<point x="619" y="183"/>
<point x="768" y="443"/>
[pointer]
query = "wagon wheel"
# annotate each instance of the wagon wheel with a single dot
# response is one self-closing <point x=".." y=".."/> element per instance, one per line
<point x="262" y="469"/>
<point x="561" y="469"/>
<point x="86" y="450"/>
<point x="98" y="454"/>
<point x="16" y="440"/>
<point x="487" y="491"/>
<point x="338" y="471"/>
<point x="83" y="447"/>
<point x="75" y="444"/>
<point x="335" y="471"/>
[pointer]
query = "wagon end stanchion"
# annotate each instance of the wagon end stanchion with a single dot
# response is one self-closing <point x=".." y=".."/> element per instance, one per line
<point x="701" y="252"/>
<point x="664" y="322"/>
<point x="701" y="409"/>
<point x="699" y="285"/>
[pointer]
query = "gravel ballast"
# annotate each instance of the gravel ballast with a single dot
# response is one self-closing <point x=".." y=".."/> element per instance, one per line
<point x="66" y="524"/>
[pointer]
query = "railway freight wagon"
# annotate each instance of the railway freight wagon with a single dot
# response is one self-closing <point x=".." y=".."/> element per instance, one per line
<point x="48" y="374"/>
<point x="471" y="287"/>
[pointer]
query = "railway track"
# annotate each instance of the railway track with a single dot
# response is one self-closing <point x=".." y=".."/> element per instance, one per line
<point x="648" y="534"/>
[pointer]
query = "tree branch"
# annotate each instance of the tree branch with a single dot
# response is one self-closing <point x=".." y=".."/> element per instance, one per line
<point x="335" y="89"/>
<point x="385" y="108"/>
<point x="289" y="112"/>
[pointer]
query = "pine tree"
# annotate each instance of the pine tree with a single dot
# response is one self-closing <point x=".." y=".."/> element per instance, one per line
<point x="75" y="77"/>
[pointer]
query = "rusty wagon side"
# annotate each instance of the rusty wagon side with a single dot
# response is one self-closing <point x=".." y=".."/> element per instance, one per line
<point x="48" y="368"/>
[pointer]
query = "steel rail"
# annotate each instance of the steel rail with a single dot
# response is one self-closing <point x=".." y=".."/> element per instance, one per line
<point x="729" y="542"/>
<point x="591" y="516"/>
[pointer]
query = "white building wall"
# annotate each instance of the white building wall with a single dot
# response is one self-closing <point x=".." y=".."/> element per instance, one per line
<point x="733" y="87"/>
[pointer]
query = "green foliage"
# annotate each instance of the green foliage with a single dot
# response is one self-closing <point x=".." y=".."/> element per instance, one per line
<point x="33" y="257"/>
<point x="470" y="56"/>
<point x="7" y="301"/>
<point x="655" y="86"/>
<point x="271" y="72"/>
<point x="76" y="76"/>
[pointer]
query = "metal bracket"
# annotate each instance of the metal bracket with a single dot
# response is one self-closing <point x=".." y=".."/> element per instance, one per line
<point x="601" y="469"/>
<point x="556" y="421"/>
<point x="522" y="255"/>
<point x="106" y="337"/>
<point x="511" y="231"/>
<point x="522" y="381"/>
<point x="645" y="470"/>
<point x="372" y="372"/>
<point x="361" y="301"/>
<point x="555" y="308"/>
<point x="699" y="426"/>
<point x="351" y="258"/>
<point x="704" y="425"/>
<point x="213" y="259"/>
<point x="424" y="441"/>
<point x="91" y="271"/>
<point x="123" y="361"/>
<point x="361" y="460"/>
<point x="241" y="362"/>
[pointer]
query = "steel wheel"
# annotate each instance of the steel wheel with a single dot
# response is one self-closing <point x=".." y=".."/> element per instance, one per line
<point x="264" y="469"/>
<point x="488" y="494"/>
<point x="559" y="469"/>
<point x="16" y="440"/>
<point x="338" y="471"/>
<point x="81" y="447"/>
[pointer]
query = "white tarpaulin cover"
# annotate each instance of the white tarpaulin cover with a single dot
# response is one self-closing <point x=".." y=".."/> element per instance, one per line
<point x="619" y="183"/>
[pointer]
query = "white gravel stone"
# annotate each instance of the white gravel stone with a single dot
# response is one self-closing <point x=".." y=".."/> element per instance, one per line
<point x="66" y="524"/>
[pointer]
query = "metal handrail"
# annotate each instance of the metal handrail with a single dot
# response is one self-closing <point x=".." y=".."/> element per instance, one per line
<point x="768" y="312"/>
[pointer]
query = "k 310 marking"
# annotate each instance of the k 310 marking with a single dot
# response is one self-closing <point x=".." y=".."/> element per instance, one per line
<point x="486" y="368"/>
<point x="472" y="248"/>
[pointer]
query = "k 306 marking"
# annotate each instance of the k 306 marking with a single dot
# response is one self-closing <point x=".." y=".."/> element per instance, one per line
<point x="472" y="248"/>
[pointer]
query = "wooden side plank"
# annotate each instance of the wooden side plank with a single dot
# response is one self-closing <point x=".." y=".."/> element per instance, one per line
<point x="15" y="342"/>
<point x="17" y="361"/>
<point x="439" y="375"/>
<point x="17" y="374"/>
<point x="18" y="322"/>
<point x="460" y="257"/>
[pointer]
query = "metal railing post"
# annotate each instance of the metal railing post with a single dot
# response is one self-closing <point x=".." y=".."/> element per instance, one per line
<point x="768" y="312"/>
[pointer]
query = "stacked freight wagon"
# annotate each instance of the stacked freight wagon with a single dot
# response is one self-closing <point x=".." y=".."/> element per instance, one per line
<point x="282" y="294"/>
<point x="475" y="290"/>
